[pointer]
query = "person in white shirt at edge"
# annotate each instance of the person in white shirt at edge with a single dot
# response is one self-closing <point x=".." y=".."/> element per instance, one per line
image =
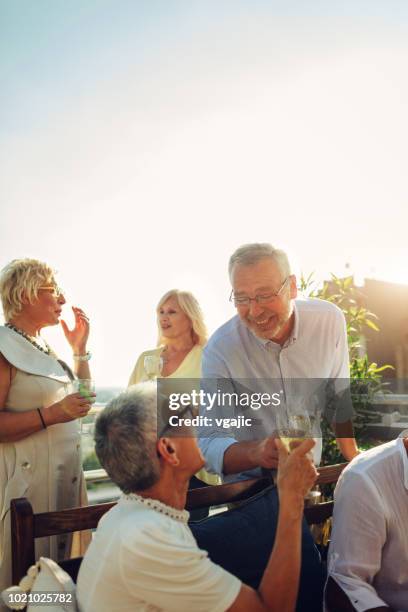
<point x="273" y="336"/>
<point x="144" y="556"/>
<point x="368" y="554"/>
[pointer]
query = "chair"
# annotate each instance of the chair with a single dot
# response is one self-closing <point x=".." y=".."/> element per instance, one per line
<point x="27" y="526"/>
<point x="336" y="598"/>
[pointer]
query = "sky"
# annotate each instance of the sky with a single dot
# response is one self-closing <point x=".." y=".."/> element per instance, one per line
<point x="143" y="141"/>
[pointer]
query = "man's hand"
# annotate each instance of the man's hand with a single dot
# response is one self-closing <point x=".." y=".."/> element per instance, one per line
<point x="248" y="455"/>
<point x="265" y="454"/>
<point x="296" y="471"/>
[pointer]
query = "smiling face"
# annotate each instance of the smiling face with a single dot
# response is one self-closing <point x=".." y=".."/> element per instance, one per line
<point x="272" y="320"/>
<point x="173" y="322"/>
<point x="46" y="309"/>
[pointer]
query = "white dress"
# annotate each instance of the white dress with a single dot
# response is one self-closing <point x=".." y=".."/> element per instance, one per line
<point x="46" y="466"/>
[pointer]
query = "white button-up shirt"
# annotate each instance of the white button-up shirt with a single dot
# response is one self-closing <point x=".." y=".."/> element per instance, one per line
<point x="368" y="555"/>
<point x="317" y="349"/>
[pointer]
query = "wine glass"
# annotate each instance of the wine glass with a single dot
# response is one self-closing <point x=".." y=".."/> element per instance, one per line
<point x="153" y="365"/>
<point x="293" y="426"/>
<point x="86" y="388"/>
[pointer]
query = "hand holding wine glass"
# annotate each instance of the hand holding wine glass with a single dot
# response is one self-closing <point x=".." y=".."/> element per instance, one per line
<point x="85" y="387"/>
<point x="296" y="471"/>
<point x="294" y="426"/>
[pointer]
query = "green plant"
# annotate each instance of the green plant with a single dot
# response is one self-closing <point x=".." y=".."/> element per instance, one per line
<point x="366" y="377"/>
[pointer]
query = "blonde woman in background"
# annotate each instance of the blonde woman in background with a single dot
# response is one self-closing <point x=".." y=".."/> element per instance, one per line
<point x="181" y="338"/>
<point x="40" y="451"/>
<point x="182" y="335"/>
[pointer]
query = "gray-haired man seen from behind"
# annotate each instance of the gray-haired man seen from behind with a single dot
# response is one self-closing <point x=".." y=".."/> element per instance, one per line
<point x="144" y="555"/>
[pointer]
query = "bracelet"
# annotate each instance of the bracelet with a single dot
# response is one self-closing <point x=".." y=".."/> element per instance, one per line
<point x="85" y="357"/>
<point x="42" y="418"/>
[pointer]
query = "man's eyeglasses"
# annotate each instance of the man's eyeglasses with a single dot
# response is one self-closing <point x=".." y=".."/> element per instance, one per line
<point x="264" y="298"/>
<point x="56" y="291"/>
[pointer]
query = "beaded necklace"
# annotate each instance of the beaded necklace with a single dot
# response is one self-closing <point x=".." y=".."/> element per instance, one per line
<point x="158" y="506"/>
<point x="30" y="339"/>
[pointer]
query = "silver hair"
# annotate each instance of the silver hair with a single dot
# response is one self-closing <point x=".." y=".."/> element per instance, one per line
<point x="126" y="436"/>
<point x="249" y="254"/>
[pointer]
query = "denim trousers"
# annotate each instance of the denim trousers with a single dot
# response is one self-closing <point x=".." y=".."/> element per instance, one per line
<point x="241" y="540"/>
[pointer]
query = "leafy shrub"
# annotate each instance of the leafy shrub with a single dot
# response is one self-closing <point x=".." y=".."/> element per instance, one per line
<point x="366" y="377"/>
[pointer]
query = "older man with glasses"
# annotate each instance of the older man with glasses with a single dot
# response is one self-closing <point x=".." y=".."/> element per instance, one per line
<point x="275" y="341"/>
<point x="292" y="350"/>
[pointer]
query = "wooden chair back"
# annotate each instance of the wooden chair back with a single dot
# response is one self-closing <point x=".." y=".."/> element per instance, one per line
<point x="27" y="526"/>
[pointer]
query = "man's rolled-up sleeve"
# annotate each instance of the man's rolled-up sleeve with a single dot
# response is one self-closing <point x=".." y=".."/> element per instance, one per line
<point x="213" y="441"/>
<point x="213" y="450"/>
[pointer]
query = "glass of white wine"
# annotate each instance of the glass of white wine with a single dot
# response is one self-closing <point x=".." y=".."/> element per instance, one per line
<point x="153" y="365"/>
<point x="293" y="427"/>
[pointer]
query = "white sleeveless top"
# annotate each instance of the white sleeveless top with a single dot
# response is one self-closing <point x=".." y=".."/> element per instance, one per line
<point x="46" y="466"/>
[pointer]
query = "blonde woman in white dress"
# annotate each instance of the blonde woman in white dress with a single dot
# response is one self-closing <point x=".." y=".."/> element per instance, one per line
<point x="181" y="338"/>
<point x="40" y="454"/>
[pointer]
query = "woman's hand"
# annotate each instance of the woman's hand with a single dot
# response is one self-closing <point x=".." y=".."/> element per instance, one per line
<point x="78" y="336"/>
<point x="296" y="472"/>
<point x="74" y="406"/>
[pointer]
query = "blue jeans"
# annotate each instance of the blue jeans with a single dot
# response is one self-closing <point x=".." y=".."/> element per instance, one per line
<point x="241" y="540"/>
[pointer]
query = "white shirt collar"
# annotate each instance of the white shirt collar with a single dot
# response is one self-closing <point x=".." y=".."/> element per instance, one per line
<point x="157" y="506"/>
<point x="404" y="454"/>
<point x="26" y="357"/>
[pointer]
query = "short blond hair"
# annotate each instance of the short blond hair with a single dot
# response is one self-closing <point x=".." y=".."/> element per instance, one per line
<point x="22" y="278"/>
<point x="190" y="306"/>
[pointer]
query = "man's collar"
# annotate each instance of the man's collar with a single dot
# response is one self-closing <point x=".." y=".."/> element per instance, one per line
<point x="404" y="454"/>
<point x="295" y="331"/>
<point x="293" y="335"/>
